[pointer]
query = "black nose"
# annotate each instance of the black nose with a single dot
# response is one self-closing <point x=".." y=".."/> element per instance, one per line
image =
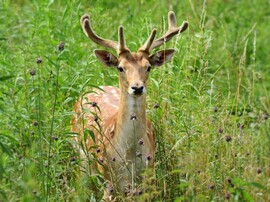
<point x="137" y="90"/>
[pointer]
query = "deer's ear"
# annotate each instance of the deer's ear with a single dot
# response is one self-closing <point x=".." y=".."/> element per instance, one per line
<point x="106" y="58"/>
<point x="161" y="57"/>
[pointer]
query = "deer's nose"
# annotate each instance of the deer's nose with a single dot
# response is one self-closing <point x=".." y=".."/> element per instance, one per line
<point x="137" y="90"/>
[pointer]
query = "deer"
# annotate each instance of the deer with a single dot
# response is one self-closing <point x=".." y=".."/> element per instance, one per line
<point x="123" y="139"/>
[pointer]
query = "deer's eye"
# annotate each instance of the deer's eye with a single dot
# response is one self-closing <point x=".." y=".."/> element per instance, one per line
<point x="148" y="68"/>
<point x="120" y="69"/>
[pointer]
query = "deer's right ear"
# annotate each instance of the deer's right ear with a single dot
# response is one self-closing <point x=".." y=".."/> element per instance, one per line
<point x="106" y="58"/>
<point x="161" y="57"/>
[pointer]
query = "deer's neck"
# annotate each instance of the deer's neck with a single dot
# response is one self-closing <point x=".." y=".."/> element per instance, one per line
<point x="131" y="121"/>
<point x="131" y="109"/>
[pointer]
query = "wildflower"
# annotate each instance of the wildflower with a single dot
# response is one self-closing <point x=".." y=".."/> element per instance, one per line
<point x="211" y="186"/>
<point x="228" y="138"/>
<point x="128" y="188"/>
<point x="140" y="142"/>
<point x="138" y="154"/>
<point x="32" y="72"/>
<point x="139" y="192"/>
<point x="229" y="180"/>
<point x="133" y="117"/>
<point x="94" y="104"/>
<point x="61" y="46"/>
<point x="72" y="159"/>
<point x="148" y="157"/>
<point x="240" y="126"/>
<point x="259" y="171"/>
<point x="265" y="116"/>
<point x="100" y="160"/>
<point x="227" y="195"/>
<point x="110" y="189"/>
<point x="39" y="60"/>
<point x="156" y="106"/>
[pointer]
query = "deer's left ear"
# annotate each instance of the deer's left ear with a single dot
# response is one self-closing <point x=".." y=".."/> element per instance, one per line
<point x="106" y="58"/>
<point x="161" y="57"/>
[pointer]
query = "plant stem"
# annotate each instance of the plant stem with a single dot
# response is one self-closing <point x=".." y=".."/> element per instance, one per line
<point x="51" y="129"/>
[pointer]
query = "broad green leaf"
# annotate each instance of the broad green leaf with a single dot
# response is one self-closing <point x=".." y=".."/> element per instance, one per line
<point x="3" y="78"/>
<point x="89" y="132"/>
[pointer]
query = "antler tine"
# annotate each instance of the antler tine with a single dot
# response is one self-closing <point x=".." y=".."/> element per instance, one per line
<point x="148" y="43"/>
<point x="172" y="31"/>
<point x="87" y="28"/>
<point x="171" y="20"/>
<point x="122" y="43"/>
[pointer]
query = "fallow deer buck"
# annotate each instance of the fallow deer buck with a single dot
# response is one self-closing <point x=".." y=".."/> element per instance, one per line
<point x="124" y="142"/>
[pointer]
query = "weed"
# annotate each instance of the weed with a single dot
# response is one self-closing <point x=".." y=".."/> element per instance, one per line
<point x="209" y="106"/>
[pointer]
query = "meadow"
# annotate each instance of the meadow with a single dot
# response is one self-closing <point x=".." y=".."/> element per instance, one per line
<point x="209" y="106"/>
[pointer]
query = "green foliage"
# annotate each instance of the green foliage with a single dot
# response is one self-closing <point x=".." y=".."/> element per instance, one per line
<point x="209" y="106"/>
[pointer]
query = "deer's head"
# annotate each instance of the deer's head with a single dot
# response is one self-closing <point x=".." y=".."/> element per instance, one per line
<point x="134" y="68"/>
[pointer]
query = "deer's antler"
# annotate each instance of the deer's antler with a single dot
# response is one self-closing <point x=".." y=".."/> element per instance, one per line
<point x="88" y="30"/>
<point x="150" y="44"/>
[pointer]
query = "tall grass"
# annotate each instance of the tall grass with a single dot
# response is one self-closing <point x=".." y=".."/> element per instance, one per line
<point x="209" y="106"/>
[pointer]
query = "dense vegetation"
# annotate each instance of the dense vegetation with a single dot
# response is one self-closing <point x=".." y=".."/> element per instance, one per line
<point x="210" y="105"/>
